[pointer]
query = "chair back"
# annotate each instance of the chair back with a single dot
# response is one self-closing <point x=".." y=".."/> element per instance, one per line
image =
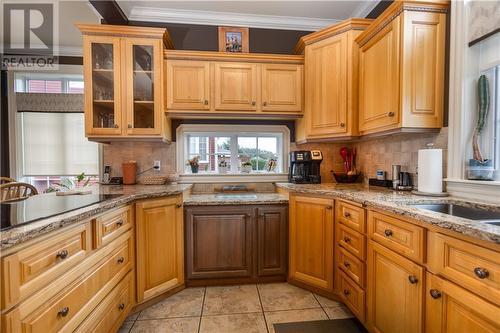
<point x="15" y="191"/>
<point x="4" y="180"/>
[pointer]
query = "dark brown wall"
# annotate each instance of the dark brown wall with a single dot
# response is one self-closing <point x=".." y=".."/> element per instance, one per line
<point x="205" y="37"/>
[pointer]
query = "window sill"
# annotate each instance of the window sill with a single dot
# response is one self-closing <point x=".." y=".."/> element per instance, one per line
<point x="233" y="178"/>
<point x="477" y="190"/>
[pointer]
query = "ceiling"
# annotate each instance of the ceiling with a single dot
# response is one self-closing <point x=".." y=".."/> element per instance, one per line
<point x="292" y="15"/>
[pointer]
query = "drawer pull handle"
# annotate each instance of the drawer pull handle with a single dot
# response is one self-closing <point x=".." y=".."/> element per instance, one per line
<point x="63" y="312"/>
<point x="253" y="103"/>
<point x="342" y="125"/>
<point x="347" y="239"/>
<point x="481" y="273"/>
<point x="347" y="215"/>
<point x="390" y="114"/>
<point x="178" y="205"/>
<point x="388" y="232"/>
<point x="116" y="126"/>
<point x="62" y="254"/>
<point x="346" y="292"/>
<point x="120" y="260"/>
<point x="435" y="293"/>
<point x="346" y="264"/>
<point x="264" y="104"/>
<point x="206" y="102"/>
<point x="413" y="279"/>
<point x="129" y="125"/>
<point x="262" y="215"/>
<point x="329" y="207"/>
<point x="121" y="306"/>
<point x="119" y="223"/>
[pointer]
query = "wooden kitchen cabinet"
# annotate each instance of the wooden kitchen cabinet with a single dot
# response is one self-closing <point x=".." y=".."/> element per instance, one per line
<point x="272" y="240"/>
<point x="188" y="85"/>
<point x="401" y="69"/>
<point x="311" y="241"/>
<point x="160" y="246"/>
<point x="281" y="87"/>
<point x="235" y="86"/>
<point x="451" y="309"/>
<point x="123" y="76"/>
<point x="395" y="287"/>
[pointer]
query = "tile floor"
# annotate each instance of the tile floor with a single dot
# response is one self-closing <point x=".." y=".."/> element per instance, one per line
<point x="242" y="309"/>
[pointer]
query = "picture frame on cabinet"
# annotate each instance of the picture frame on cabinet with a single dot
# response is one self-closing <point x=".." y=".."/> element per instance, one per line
<point x="233" y="39"/>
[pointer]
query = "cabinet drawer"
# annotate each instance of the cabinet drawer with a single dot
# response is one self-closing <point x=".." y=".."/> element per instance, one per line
<point x="66" y="310"/>
<point x="353" y="296"/>
<point x="352" y="241"/>
<point x="471" y="266"/>
<point x="32" y="268"/>
<point x="111" y="312"/>
<point x="352" y="266"/>
<point x="109" y="226"/>
<point x="403" y="237"/>
<point x="351" y="216"/>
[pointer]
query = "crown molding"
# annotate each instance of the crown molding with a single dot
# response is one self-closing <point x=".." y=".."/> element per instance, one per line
<point x="152" y="14"/>
<point x="364" y="8"/>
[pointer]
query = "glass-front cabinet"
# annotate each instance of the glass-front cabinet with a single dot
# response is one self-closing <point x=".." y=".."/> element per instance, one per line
<point x="123" y="73"/>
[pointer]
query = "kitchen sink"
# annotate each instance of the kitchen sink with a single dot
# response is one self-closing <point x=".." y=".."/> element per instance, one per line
<point x="476" y="214"/>
<point x="236" y="196"/>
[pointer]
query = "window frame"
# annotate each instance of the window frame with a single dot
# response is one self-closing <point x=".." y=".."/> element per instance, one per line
<point x="238" y="131"/>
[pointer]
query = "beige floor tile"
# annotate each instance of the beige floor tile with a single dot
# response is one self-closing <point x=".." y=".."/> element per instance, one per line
<point x="326" y="302"/>
<point x="293" y="316"/>
<point x="173" y="325"/>
<point x="339" y="312"/>
<point x="186" y="303"/>
<point x="132" y="317"/>
<point x="126" y="326"/>
<point x="284" y="296"/>
<point x="231" y="299"/>
<point x="234" y="323"/>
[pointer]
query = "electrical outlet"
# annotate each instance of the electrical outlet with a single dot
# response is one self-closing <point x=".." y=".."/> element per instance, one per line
<point x="157" y="165"/>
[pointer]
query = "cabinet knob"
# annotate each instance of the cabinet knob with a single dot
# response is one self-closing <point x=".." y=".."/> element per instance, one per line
<point x="129" y="125"/>
<point x="347" y="239"/>
<point x="346" y="264"/>
<point x="262" y="215"/>
<point x="435" y="293"/>
<point x="347" y="215"/>
<point x="120" y="260"/>
<point x="264" y="104"/>
<point x="63" y="312"/>
<point x="62" y="254"/>
<point x="346" y="292"/>
<point x="481" y="273"/>
<point x="119" y="223"/>
<point x="342" y="124"/>
<point x="328" y="207"/>
<point x="388" y="232"/>
<point x="253" y="103"/>
<point x="121" y="306"/>
<point x="206" y="102"/>
<point x="116" y="126"/>
<point x="413" y="279"/>
<point x="390" y="114"/>
<point x="178" y="205"/>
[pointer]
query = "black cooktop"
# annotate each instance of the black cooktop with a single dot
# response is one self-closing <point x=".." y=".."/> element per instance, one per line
<point x="45" y="205"/>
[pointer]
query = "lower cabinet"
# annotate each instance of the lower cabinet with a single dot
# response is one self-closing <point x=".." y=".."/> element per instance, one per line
<point x="395" y="287"/>
<point x="237" y="242"/>
<point x="160" y="246"/>
<point x="311" y="241"/>
<point x="452" y="309"/>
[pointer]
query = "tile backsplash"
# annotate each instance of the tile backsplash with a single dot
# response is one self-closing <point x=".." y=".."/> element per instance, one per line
<point x="377" y="153"/>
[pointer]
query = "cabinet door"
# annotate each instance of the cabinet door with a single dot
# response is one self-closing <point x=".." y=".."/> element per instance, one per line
<point x="160" y="246"/>
<point x="326" y="86"/>
<point x="219" y="242"/>
<point x="272" y="242"/>
<point x="143" y="95"/>
<point x="379" y="81"/>
<point x="452" y="309"/>
<point x="281" y="87"/>
<point x="188" y="85"/>
<point x="235" y="86"/>
<point x="311" y="241"/>
<point x="394" y="292"/>
<point x="102" y="76"/>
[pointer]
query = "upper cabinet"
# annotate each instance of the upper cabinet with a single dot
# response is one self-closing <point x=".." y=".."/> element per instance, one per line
<point x="401" y="69"/>
<point x="331" y="84"/>
<point x="212" y="84"/>
<point x="123" y="74"/>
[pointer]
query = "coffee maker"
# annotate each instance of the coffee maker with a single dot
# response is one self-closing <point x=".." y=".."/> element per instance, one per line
<point x="304" y="167"/>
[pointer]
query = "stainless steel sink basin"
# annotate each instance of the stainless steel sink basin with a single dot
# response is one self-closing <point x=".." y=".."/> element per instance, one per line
<point x="476" y="214"/>
<point x="236" y="196"/>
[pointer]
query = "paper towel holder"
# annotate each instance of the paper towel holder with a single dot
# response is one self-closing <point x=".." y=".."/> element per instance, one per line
<point x="429" y="145"/>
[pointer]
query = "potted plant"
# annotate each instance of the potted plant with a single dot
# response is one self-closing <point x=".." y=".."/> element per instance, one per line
<point x="246" y="167"/>
<point x="194" y="163"/>
<point x="479" y="167"/>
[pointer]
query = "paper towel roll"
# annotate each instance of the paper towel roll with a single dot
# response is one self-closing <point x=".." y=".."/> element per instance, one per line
<point x="430" y="170"/>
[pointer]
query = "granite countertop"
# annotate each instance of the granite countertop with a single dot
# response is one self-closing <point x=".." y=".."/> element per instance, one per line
<point x="399" y="202"/>
<point x="215" y="200"/>
<point x="124" y="194"/>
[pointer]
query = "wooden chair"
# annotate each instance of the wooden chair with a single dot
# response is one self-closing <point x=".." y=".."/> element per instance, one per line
<point x="15" y="191"/>
<point x="4" y="180"/>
